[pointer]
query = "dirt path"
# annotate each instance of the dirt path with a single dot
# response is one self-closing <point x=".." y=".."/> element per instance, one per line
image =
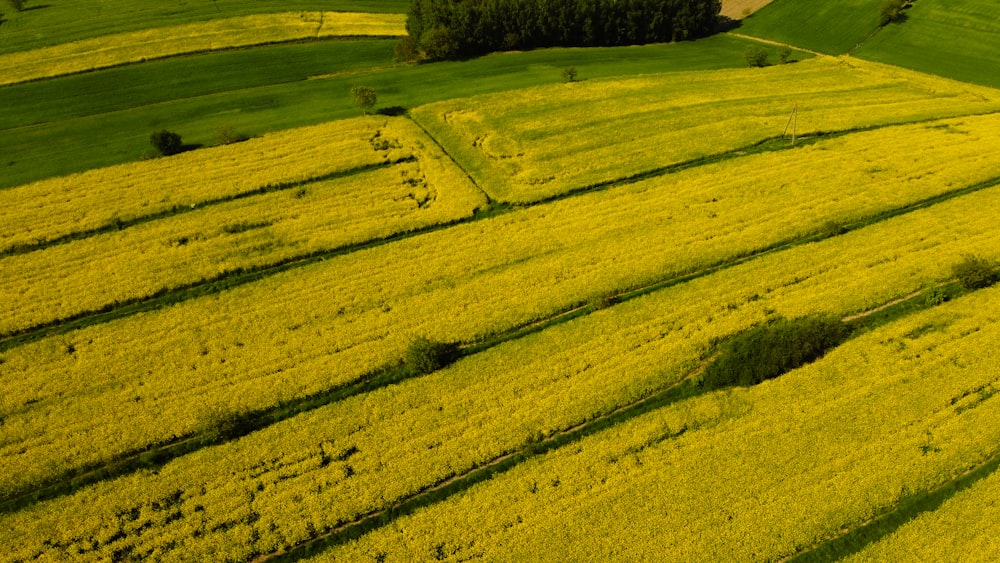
<point x="778" y="44"/>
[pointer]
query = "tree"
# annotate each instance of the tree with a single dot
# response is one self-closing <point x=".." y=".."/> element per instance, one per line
<point x="755" y="56"/>
<point x="569" y="74"/>
<point x="364" y="97"/>
<point x="165" y="142"/>
<point x="783" y="54"/>
<point x="16" y="4"/>
<point x="892" y="10"/>
<point x="406" y="50"/>
<point x="439" y="43"/>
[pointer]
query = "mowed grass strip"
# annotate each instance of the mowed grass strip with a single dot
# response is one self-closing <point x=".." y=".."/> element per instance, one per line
<point x="299" y="478"/>
<point x="173" y="372"/>
<point x="162" y="42"/>
<point x="53" y="22"/>
<point x="542" y="142"/>
<point x="37" y="213"/>
<point x="748" y="474"/>
<point x="250" y="233"/>
<point x="954" y="38"/>
<point x="265" y="89"/>
<point x="833" y="28"/>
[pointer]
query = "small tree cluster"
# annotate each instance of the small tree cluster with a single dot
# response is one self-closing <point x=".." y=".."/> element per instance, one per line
<point x="424" y="356"/>
<point x="166" y="143"/>
<point x="755" y="56"/>
<point x="769" y="350"/>
<point x="974" y="272"/>
<point x="892" y="11"/>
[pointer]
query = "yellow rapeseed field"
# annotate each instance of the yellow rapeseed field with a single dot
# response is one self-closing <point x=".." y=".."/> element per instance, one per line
<point x="742" y="475"/>
<point x="243" y="31"/>
<point x="213" y="240"/>
<point x="540" y="142"/>
<point x="56" y="207"/>
<point x="337" y="320"/>
<point x="964" y="527"/>
<point x="283" y="485"/>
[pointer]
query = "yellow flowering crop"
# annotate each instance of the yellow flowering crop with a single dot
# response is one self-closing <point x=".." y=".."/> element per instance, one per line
<point x="756" y="474"/>
<point x="256" y="231"/>
<point x="48" y="209"/>
<point x="539" y="142"/>
<point x="169" y="373"/>
<point x="963" y="528"/>
<point x="160" y="42"/>
<point x="279" y="486"/>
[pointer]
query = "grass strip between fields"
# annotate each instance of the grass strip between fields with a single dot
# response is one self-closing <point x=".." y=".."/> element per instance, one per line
<point x="235" y="427"/>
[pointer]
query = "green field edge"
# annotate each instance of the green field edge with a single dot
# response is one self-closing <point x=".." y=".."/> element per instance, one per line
<point x="686" y="388"/>
<point x="908" y="508"/>
<point x="152" y="457"/>
<point x="121" y="225"/>
<point x="190" y="54"/>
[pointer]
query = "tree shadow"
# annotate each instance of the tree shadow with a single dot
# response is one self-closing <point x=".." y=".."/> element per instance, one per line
<point x="39" y="7"/>
<point x="190" y="147"/>
<point x="392" y="111"/>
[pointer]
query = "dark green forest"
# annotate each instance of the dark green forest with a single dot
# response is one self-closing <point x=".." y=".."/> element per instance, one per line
<point x="445" y="29"/>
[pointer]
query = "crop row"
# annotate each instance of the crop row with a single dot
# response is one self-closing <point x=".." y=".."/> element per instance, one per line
<point x="47" y="210"/>
<point x="964" y="527"/>
<point x="751" y="474"/>
<point x="160" y="42"/>
<point x="540" y="142"/>
<point x="98" y="271"/>
<point x="287" y="483"/>
<point x="154" y="377"/>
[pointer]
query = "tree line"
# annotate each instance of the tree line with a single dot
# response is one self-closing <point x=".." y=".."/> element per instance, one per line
<point x="445" y="29"/>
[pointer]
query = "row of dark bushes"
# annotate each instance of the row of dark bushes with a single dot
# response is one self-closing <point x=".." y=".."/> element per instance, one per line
<point x="446" y="29"/>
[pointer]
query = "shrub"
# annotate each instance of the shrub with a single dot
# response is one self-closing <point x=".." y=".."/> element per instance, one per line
<point x="406" y="50"/>
<point x="165" y="142"/>
<point x="755" y="56"/>
<point x="892" y="10"/>
<point x="228" y="135"/>
<point x="569" y="74"/>
<point x="769" y="350"/>
<point x="424" y="356"/>
<point x="783" y="54"/>
<point x="974" y="272"/>
<point x="364" y="97"/>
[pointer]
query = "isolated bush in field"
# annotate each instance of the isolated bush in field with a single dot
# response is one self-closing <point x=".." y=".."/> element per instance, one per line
<point x="783" y="54"/>
<point x="16" y="4"/>
<point x="755" y="56"/>
<point x="228" y="135"/>
<point x="166" y="142"/>
<point x="892" y="10"/>
<point x="769" y="350"/>
<point x="364" y="97"/>
<point x="569" y="74"/>
<point x="406" y="50"/>
<point x="974" y="272"/>
<point x="424" y="356"/>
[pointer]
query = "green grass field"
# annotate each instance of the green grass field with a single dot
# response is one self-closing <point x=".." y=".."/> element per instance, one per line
<point x="49" y="22"/>
<point x="955" y="38"/>
<point x="103" y="118"/>
<point x="832" y="27"/>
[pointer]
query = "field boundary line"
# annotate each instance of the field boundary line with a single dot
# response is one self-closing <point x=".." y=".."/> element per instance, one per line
<point x="778" y="44"/>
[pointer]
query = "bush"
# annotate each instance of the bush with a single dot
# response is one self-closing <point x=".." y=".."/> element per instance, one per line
<point x="228" y="135"/>
<point x="424" y="356"/>
<point x="406" y="50"/>
<point x="975" y="273"/>
<point x="166" y="142"/>
<point x="569" y="74"/>
<point x="769" y="350"/>
<point x="755" y="56"/>
<point x="783" y="54"/>
<point x="892" y="10"/>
